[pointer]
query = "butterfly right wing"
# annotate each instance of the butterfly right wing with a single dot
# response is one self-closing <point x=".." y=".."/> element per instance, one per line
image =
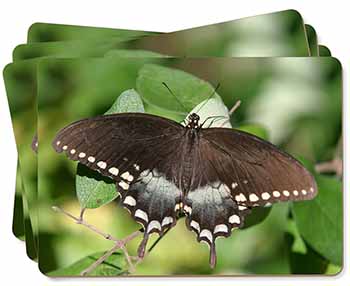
<point x="137" y="151"/>
<point x="238" y="171"/>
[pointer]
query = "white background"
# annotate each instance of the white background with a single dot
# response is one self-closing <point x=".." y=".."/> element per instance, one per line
<point x="331" y="19"/>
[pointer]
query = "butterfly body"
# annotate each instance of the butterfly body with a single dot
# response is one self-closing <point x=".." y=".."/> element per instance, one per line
<point x="161" y="168"/>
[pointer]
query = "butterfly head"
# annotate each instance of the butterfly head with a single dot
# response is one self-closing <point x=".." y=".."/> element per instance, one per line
<point x="193" y="121"/>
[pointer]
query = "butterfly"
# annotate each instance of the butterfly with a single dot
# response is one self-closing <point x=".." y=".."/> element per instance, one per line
<point x="162" y="169"/>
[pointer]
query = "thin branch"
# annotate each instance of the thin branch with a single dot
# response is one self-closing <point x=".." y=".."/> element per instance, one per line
<point x="333" y="166"/>
<point x="234" y="108"/>
<point x="336" y="164"/>
<point x="100" y="260"/>
<point x="84" y="223"/>
<point x="119" y="243"/>
<point x="81" y="216"/>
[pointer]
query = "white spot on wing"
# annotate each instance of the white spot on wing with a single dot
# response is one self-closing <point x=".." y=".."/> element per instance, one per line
<point x="286" y="193"/>
<point x="195" y="225"/>
<point x="102" y="164"/>
<point x="207" y="234"/>
<point x="188" y="209"/>
<point x="72" y="151"/>
<point x="167" y="220"/>
<point x="58" y="143"/>
<point x="276" y="194"/>
<point x="240" y="198"/>
<point x="265" y="196"/>
<point x="154" y="224"/>
<point x="125" y="175"/>
<point x="221" y="228"/>
<point x="178" y="206"/>
<point x="114" y="171"/>
<point x="141" y="214"/>
<point x="295" y="193"/>
<point x="303" y="192"/>
<point x="91" y="159"/>
<point x="65" y="147"/>
<point x="234" y="185"/>
<point x="129" y="200"/>
<point x="124" y="185"/>
<point x="253" y="198"/>
<point x="234" y="219"/>
<point x="82" y="155"/>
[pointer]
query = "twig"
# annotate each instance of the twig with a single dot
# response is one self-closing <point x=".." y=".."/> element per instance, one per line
<point x="81" y="216"/>
<point x="233" y="109"/>
<point x="84" y="223"/>
<point x="119" y="243"/>
<point x="336" y="164"/>
<point x="100" y="260"/>
<point x="333" y="166"/>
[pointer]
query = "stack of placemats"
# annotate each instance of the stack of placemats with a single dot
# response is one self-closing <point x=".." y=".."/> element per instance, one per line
<point x="285" y="89"/>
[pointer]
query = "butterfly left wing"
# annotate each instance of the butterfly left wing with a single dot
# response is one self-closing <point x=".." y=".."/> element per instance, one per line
<point x="136" y="150"/>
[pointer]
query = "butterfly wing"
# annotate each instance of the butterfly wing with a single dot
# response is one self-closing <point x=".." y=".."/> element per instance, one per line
<point x="257" y="172"/>
<point x="137" y="151"/>
<point x="237" y="171"/>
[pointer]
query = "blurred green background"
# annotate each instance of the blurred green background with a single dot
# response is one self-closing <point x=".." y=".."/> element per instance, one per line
<point x="275" y="34"/>
<point x="296" y="100"/>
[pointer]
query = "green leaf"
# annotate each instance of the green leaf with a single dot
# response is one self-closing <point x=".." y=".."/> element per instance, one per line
<point x="257" y="216"/>
<point x="298" y="242"/>
<point x="133" y="54"/>
<point x="93" y="189"/>
<point x="333" y="269"/>
<point x="320" y="221"/>
<point x="309" y="262"/>
<point x="112" y="266"/>
<point x="128" y="101"/>
<point x="188" y="91"/>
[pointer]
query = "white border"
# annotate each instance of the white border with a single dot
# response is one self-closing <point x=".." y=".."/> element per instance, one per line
<point x="330" y="20"/>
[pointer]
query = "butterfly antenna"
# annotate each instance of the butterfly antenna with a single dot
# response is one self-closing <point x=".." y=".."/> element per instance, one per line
<point x="212" y="94"/>
<point x="175" y="96"/>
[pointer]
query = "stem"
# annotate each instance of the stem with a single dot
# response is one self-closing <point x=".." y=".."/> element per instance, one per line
<point x="333" y="166"/>
<point x="100" y="260"/>
<point x="119" y="243"/>
<point x="233" y="109"/>
<point x="336" y="164"/>
<point x="84" y="223"/>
